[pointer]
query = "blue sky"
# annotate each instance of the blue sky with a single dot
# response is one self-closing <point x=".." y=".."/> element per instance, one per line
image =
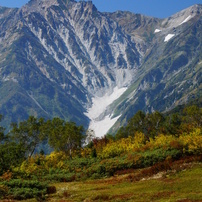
<point x="154" y="8"/>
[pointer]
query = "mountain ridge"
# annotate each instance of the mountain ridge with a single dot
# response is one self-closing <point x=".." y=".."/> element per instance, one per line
<point x="59" y="56"/>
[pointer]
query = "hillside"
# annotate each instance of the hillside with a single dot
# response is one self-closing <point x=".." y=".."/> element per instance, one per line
<point x="157" y="155"/>
<point x="183" y="185"/>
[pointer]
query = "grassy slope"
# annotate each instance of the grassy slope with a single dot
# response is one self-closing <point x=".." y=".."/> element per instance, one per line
<point x="183" y="185"/>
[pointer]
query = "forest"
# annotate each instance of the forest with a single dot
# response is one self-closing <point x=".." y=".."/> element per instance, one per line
<point x="36" y="153"/>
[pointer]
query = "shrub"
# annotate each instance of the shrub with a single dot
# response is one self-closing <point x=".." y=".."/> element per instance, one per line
<point x="95" y="176"/>
<point x="26" y="193"/>
<point x="119" y="147"/>
<point x="192" y="142"/>
<point x="176" y="144"/>
<point x="23" y="189"/>
<point x="150" y="158"/>
<point x="60" y="177"/>
<point x="3" y="191"/>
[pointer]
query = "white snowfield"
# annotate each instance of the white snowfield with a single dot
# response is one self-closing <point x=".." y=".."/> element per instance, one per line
<point x="100" y="104"/>
<point x="101" y="128"/>
<point x="168" y="37"/>
<point x="157" y="30"/>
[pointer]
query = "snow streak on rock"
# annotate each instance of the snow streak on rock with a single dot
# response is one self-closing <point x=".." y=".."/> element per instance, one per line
<point x="186" y="20"/>
<point x="168" y="37"/>
<point x="157" y="30"/>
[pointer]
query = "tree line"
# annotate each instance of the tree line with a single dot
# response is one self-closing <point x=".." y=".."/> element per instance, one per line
<point x="153" y="124"/>
<point x="24" y="138"/>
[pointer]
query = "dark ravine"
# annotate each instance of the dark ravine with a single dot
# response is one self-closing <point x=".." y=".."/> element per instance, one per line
<point x="57" y="55"/>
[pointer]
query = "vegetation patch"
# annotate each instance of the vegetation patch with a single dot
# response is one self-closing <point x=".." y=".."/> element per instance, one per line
<point x="154" y="157"/>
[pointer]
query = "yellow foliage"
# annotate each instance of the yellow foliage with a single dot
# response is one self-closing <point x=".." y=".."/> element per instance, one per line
<point x="123" y="145"/>
<point x="28" y="167"/>
<point x="60" y="164"/>
<point x="192" y="142"/>
<point x="161" y="141"/>
<point x="55" y="156"/>
<point x="55" y="160"/>
<point x="86" y="152"/>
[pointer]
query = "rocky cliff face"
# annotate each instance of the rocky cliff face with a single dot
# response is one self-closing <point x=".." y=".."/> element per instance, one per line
<point x="171" y="68"/>
<point x="65" y="58"/>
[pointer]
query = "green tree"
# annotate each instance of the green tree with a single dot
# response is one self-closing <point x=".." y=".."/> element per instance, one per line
<point x="149" y="124"/>
<point x="121" y="133"/>
<point x="173" y="123"/>
<point x="137" y="123"/>
<point x="193" y="116"/>
<point x="11" y="155"/>
<point x="65" y="136"/>
<point x="1" y="130"/>
<point x="154" y="123"/>
<point x="29" y="133"/>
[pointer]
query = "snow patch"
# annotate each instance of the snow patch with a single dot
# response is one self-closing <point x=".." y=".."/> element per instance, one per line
<point x="157" y="30"/>
<point x="168" y="37"/>
<point x="99" y="106"/>
<point x="186" y="20"/>
<point x="64" y="85"/>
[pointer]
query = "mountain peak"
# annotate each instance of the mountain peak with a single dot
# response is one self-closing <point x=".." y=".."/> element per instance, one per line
<point x="192" y="10"/>
<point x="40" y="5"/>
<point x="41" y="2"/>
<point x="182" y="16"/>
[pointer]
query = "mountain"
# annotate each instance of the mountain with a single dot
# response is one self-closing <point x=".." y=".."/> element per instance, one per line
<point x="171" y="69"/>
<point x="65" y="58"/>
<point x="56" y="55"/>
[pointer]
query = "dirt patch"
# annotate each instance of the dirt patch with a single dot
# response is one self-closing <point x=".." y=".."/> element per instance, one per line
<point x="156" y="176"/>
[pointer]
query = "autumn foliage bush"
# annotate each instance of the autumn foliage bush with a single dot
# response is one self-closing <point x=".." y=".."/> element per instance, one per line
<point x="115" y="155"/>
